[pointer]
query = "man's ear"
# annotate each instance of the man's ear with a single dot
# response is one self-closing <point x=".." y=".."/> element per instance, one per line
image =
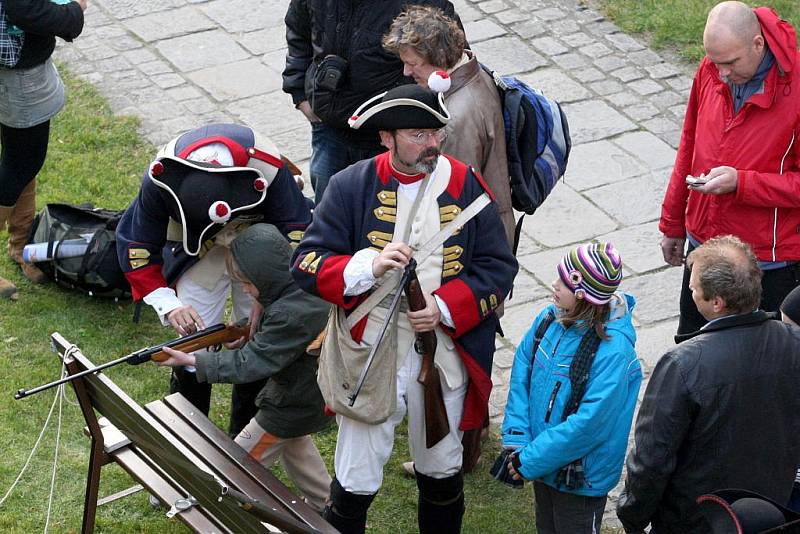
<point x="387" y="139"/>
<point x="758" y="42"/>
<point x="719" y="304"/>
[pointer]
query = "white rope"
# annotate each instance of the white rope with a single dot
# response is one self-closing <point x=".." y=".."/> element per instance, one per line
<point x="60" y="394"/>
<point x="33" y="451"/>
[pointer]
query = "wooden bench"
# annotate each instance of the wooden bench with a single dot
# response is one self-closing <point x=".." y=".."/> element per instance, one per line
<point x="175" y="452"/>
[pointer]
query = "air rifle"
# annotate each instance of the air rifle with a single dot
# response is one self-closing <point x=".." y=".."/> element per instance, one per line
<point x="436" y="424"/>
<point x="212" y="336"/>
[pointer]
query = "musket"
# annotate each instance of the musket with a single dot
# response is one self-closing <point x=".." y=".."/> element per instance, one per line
<point x="412" y="264"/>
<point x="436" y="424"/>
<point x="209" y="337"/>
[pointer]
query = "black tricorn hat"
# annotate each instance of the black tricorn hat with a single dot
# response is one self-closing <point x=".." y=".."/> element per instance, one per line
<point x="738" y="511"/>
<point x="405" y="106"/>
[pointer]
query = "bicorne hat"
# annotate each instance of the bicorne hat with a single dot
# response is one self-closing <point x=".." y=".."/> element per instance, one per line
<point x="405" y="106"/>
<point x="738" y="511"/>
<point x="212" y="175"/>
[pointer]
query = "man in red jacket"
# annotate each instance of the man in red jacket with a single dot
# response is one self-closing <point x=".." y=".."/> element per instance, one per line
<point x="738" y="165"/>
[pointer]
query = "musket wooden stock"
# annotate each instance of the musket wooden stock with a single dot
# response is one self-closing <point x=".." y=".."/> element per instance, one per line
<point x="436" y="424"/>
<point x="212" y="339"/>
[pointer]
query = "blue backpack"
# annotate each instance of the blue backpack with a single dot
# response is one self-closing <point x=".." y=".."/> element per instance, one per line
<point x="537" y="143"/>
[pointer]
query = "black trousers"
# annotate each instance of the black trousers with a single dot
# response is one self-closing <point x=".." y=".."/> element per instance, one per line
<point x="558" y="512"/>
<point x="775" y="285"/>
<point x="21" y="158"/>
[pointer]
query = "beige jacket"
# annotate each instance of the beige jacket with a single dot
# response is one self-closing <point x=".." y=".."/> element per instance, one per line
<point x="476" y="135"/>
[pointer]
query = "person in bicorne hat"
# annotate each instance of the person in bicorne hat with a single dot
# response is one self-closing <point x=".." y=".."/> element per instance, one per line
<point x="202" y="189"/>
<point x="375" y="216"/>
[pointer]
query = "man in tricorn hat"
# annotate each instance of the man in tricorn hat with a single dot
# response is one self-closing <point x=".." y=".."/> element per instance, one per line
<point x="202" y="189"/>
<point x="375" y="217"/>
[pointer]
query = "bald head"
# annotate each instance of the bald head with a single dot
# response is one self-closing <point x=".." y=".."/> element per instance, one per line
<point x="733" y="41"/>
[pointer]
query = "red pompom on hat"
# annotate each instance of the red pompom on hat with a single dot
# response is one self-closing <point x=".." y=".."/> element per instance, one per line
<point x="219" y="212"/>
<point x="439" y="81"/>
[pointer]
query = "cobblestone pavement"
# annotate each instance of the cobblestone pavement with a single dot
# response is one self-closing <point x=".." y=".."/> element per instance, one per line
<point x="179" y="63"/>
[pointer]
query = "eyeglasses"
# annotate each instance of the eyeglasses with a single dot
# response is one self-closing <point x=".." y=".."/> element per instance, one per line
<point x="421" y="137"/>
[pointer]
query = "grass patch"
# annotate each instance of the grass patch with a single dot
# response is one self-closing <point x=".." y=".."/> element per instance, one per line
<point x="97" y="157"/>
<point x="678" y="24"/>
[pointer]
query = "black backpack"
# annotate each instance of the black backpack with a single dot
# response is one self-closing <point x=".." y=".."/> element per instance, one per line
<point x="96" y="271"/>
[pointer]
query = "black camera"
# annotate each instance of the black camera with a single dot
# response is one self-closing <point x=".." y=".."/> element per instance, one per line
<point x="499" y="470"/>
<point x="330" y="73"/>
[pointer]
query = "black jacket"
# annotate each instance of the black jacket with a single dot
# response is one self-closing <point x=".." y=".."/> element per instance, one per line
<point x="43" y="21"/>
<point x="721" y="410"/>
<point x="351" y="29"/>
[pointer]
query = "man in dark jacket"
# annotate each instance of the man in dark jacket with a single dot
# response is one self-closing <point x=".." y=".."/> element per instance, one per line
<point x="721" y="408"/>
<point x="290" y="406"/>
<point x="334" y="63"/>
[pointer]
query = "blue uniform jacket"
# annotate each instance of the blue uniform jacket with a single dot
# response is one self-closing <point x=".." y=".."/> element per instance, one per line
<point x="598" y="432"/>
<point x="358" y="212"/>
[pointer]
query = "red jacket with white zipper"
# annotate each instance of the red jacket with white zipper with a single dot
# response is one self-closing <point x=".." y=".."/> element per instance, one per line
<point x="762" y="142"/>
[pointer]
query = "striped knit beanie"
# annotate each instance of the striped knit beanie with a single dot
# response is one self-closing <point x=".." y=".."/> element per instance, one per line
<point x="592" y="271"/>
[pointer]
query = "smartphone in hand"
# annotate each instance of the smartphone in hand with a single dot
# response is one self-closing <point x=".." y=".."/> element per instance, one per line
<point x="696" y="181"/>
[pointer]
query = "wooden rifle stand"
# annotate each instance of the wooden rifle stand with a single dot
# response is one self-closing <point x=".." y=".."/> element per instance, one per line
<point x="176" y="453"/>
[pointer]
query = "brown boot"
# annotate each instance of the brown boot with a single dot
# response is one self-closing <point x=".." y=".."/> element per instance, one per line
<point x="19" y="225"/>
<point x="7" y="289"/>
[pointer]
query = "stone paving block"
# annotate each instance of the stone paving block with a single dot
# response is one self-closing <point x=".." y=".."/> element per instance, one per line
<point x="469" y="13"/>
<point x="99" y="53"/>
<point x="168" y="80"/>
<point x="187" y="92"/>
<point x="663" y="70"/>
<point x="610" y="63"/>
<point x="570" y="61"/>
<point x="662" y="290"/>
<point x="263" y="41"/>
<point x="530" y="28"/>
<point x="93" y="17"/>
<point x="639" y="246"/>
<point x="201" y="50"/>
<point x="276" y="60"/>
<point x="579" y="39"/>
<point x="606" y="87"/>
<point x="481" y="30"/>
<point x="564" y="26"/>
<point x="645" y="57"/>
<point x="589" y="74"/>
<point x="261" y="111"/>
<point x="543" y="264"/>
<point x="660" y="125"/>
<point x="517" y="320"/>
<point x="244" y="16"/>
<point x="200" y="105"/>
<point x="493" y="6"/>
<point x="141" y="55"/>
<point x="646" y="86"/>
<point x="566" y="217"/>
<point x="152" y="68"/>
<point x="113" y="64"/>
<point x="624" y="99"/>
<point x="296" y="144"/>
<point x="555" y="84"/>
<point x="666" y="99"/>
<point x="548" y="46"/>
<point x="624" y="42"/>
<point x="678" y="111"/>
<point x="527" y="289"/>
<point x="123" y="9"/>
<point x="649" y="148"/>
<point x="680" y="83"/>
<point x="600" y="163"/>
<point x="511" y="16"/>
<point x="595" y="49"/>
<point x="238" y="80"/>
<point x="151" y="27"/>
<point x="593" y="120"/>
<point x="641" y="111"/>
<point x="508" y="55"/>
<point x="550" y="13"/>
<point x="503" y="358"/>
<point x="616" y="199"/>
<point x="627" y="74"/>
<point x="654" y="340"/>
<point x="526" y="244"/>
<point x="125" y="42"/>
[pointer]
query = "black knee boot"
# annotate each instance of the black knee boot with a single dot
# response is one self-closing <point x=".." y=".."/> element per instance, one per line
<point x="441" y="504"/>
<point x="347" y="511"/>
<point x="185" y="383"/>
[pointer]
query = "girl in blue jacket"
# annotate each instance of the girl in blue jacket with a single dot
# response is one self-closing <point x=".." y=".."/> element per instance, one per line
<point x="570" y="404"/>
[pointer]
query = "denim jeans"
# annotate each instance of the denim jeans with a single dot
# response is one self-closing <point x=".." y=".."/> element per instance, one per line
<point x="331" y="151"/>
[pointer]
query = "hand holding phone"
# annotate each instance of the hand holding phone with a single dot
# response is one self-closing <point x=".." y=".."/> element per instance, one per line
<point x="696" y="181"/>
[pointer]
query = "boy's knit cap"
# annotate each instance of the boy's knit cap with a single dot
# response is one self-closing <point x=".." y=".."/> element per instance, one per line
<point x="592" y="271"/>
